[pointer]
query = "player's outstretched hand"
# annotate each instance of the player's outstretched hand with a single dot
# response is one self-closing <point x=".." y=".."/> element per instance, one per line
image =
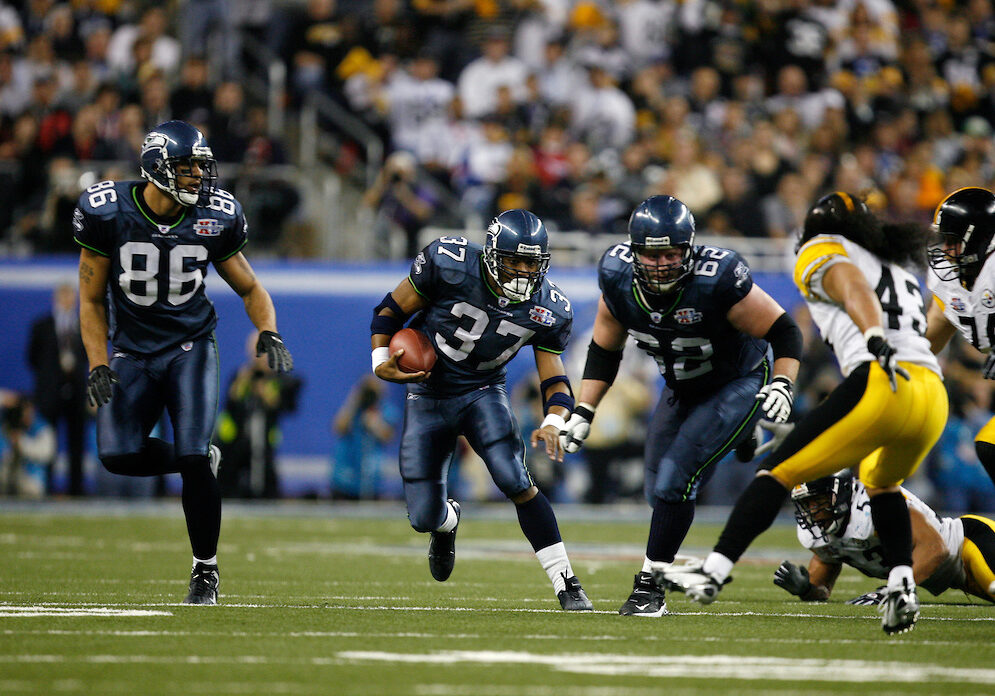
<point x="871" y="599"/>
<point x="277" y="355"/>
<point x="779" y="431"/>
<point x="98" y="385"/>
<point x="392" y="373"/>
<point x="792" y="578"/>
<point x="577" y="429"/>
<point x="550" y="436"/>
<point x="776" y="399"/>
<point x="884" y="353"/>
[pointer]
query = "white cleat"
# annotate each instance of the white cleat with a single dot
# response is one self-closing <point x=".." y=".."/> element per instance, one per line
<point x="899" y="609"/>
<point x="214" y="455"/>
<point x="692" y="580"/>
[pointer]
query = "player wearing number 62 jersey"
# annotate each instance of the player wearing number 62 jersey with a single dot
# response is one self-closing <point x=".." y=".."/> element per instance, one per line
<point x="880" y="421"/>
<point x="695" y="310"/>
<point x="478" y="307"/>
<point x="146" y="247"/>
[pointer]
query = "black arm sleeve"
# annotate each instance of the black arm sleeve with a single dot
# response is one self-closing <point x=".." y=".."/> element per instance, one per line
<point x="785" y="338"/>
<point x="601" y="364"/>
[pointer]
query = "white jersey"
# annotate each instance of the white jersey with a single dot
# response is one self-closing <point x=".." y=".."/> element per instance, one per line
<point x="860" y="547"/>
<point x="971" y="311"/>
<point x="898" y="290"/>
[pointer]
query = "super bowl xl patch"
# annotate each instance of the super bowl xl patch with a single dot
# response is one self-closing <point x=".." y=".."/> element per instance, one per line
<point x="208" y="227"/>
<point x="541" y="315"/>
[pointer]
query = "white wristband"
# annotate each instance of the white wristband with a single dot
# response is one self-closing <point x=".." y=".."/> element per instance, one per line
<point x="872" y="332"/>
<point x="554" y="420"/>
<point x="380" y="356"/>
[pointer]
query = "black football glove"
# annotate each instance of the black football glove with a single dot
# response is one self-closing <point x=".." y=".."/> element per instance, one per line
<point x="884" y="353"/>
<point x="793" y="578"/>
<point x="988" y="371"/>
<point x="277" y="355"/>
<point x="98" y="385"/>
<point x="870" y="599"/>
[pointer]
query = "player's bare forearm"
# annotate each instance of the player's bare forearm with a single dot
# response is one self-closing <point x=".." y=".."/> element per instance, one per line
<point x="93" y="270"/>
<point x="823" y="576"/>
<point x="237" y="272"/>
<point x="847" y="286"/>
<point x="939" y="330"/>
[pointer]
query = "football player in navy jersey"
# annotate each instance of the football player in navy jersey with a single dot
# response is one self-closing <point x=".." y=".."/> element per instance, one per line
<point x="145" y="251"/>
<point x="479" y="306"/>
<point x="696" y="311"/>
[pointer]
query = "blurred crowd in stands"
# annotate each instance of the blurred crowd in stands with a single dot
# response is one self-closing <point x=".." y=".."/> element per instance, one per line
<point x="574" y="109"/>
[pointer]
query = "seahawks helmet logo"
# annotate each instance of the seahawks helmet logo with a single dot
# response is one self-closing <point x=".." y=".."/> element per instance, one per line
<point x="155" y="142"/>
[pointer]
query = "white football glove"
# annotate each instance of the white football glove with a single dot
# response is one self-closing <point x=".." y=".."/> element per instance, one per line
<point x="577" y="429"/>
<point x="779" y="431"/>
<point x="776" y="399"/>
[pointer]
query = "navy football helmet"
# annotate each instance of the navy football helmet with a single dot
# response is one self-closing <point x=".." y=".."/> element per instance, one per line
<point x="822" y="506"/>
<point x="658" y="223"/>
<point x="167" y="150"/>
<point x="517" y="235"/>
<point x="964" y="225"/>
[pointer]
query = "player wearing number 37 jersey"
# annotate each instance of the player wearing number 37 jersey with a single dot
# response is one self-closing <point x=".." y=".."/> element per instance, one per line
<point x="146" y="246"/>
<point x="478" y="307"/>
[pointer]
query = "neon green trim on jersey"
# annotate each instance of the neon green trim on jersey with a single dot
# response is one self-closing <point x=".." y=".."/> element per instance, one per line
<point x="646" y="309"/>
<point x="93" y="249"/>
<point x="414" y="287"/>
<point x="134" y="196"/>
<point x="549" y="350"/>
<point x="240" y="247"/>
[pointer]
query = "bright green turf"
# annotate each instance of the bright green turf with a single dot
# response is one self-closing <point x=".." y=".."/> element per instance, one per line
<point x="314" y="604"/>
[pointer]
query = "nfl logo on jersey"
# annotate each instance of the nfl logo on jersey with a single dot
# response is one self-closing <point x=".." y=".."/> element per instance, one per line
<point x="208" y="227"/>
<point x="541" y="315"/>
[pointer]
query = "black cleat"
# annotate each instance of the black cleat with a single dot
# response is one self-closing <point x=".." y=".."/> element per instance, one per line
<point x="204" y="581"/>
<point x="572" y="597"/>
<point x="442" y="550"/>
<point x="647" y="598"/>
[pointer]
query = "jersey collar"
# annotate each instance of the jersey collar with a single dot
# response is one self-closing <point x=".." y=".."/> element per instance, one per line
<point x="147" y="213"/>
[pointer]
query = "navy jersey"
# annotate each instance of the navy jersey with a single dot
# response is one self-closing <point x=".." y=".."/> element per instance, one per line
<point x="696" y="347"/>
<point x="475" y="332"/>
<point x="156" y="278"/>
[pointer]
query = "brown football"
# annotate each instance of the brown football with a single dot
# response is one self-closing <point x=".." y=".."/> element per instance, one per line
<point x="419" y="355"/>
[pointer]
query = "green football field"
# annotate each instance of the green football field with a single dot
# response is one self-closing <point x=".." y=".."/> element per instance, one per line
<point x="322" y="599"/>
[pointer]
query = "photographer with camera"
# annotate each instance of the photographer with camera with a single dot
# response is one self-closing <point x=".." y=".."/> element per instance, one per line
<point x="402" y="204"/>
<point x="248" y="429"/>
<point x="363" y="426"/>
<point x="27" y="445"/>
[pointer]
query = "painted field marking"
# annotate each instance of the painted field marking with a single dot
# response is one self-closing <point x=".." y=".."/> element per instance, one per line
<point x="712" y="667"/>
<point x="7" y="611"/>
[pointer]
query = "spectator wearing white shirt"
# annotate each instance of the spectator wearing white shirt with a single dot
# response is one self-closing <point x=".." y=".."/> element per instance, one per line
<point x="417" y="103"/>
<point x="603" y="115"/>
<point x="479" y="81"/>
<point x="152" y="26"/>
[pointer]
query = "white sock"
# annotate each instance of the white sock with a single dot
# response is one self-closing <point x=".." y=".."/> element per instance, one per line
<point x="554" y="561"/>
<point x="718" y="566"/>
<point x="648" y="565"/>
<point x="899" y="573"/>
<point x="451" y="519"/>
<point x="212" y="561"/>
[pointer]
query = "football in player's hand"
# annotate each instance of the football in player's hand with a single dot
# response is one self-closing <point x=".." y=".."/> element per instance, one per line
<point x="419" y="355"/>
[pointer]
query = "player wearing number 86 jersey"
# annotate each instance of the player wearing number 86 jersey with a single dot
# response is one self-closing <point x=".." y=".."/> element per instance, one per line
<point x="479" y="305"/>
<point x="145" y="251"/>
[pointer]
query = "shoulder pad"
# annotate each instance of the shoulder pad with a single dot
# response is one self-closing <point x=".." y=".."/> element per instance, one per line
<point x="221" y="204"/>
<point x="103" y="199"/>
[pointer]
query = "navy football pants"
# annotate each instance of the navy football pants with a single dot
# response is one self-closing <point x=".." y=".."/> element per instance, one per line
<point x="428" y="442"/>
<point x="686" y="441"/>
<point x="183" y="380"/>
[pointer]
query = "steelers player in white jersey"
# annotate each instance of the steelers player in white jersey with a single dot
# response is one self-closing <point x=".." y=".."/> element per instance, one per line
<point x="881" y="421"/>
<point x="963" y="286"/>
<point x="834" y="523"/>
